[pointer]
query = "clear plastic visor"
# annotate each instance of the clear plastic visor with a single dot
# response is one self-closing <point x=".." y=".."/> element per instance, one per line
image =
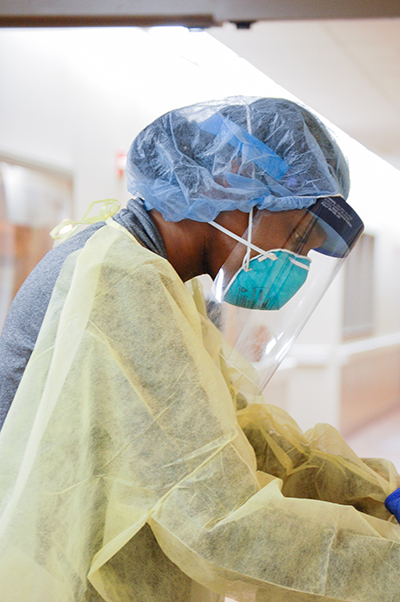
<point x="264" y="294"/>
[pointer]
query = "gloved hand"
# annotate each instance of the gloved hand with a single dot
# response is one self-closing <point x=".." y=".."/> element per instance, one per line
<point x="392" y="503"/>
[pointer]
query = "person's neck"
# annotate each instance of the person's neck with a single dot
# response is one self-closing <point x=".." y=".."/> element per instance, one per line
<point x="185" y="243"/>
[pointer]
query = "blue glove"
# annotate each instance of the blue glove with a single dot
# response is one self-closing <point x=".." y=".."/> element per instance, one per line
<point x="392" y="503"/>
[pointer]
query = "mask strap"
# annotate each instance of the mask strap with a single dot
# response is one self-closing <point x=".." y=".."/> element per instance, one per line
<point x="246" y="258"/>
<point x="249" y="245"/>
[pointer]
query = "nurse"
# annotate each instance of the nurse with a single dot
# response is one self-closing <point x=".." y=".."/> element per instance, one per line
<point x="137" y="461"/>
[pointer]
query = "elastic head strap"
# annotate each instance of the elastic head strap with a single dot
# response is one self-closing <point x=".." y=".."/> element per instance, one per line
<point x="246" y="258"/>
<point x="247" y="243"/>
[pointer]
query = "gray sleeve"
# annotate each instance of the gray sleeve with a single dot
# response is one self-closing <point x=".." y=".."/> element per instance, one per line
<point x="26" y="315"/>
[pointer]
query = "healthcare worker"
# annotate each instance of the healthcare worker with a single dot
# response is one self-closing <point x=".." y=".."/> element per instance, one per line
<point x="137" y="461"/>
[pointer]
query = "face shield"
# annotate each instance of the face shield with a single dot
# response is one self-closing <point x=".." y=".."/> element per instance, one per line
<point x="275" y="276"/>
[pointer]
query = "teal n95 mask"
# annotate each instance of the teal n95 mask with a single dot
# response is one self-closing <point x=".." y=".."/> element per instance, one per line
<point x="275" y="276"/>
<point x="269" y="281"/>
<point x="271" y="278"/>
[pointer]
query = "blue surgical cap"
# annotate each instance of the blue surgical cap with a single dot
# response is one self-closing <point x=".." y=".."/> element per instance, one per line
<point x="236" y="153"/>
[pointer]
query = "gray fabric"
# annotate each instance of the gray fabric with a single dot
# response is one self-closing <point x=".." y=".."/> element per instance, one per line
<point x="27" y="311"/>
<point x="137" y="220"/>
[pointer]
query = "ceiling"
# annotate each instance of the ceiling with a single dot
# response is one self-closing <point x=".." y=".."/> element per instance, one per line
<point x="347" y="70"/>
<point x="203" y="13"/>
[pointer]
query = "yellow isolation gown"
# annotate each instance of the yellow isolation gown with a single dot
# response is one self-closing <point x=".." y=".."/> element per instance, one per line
<point x="127" y="475"/>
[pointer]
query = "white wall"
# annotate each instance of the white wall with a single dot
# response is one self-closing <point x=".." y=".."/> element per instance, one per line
<point x="74" y="98"/>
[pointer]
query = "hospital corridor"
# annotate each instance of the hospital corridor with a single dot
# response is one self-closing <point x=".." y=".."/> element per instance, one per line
<point x="199" y="303"/>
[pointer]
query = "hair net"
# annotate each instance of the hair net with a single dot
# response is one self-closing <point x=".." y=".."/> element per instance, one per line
<point x="235" y="153"/>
